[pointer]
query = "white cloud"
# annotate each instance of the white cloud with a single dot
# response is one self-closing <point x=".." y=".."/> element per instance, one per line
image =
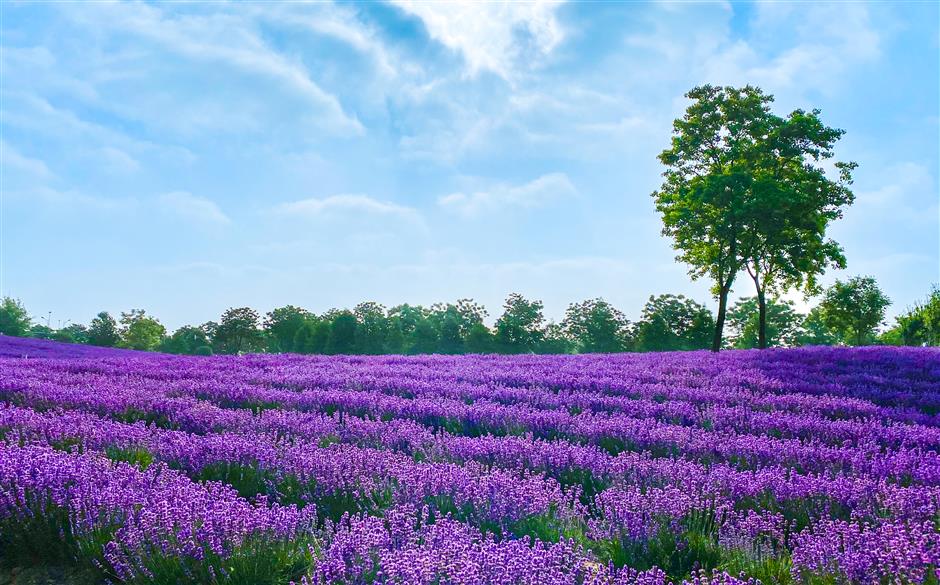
<point x="117" y="159"/>
<point x="12" y="158"/>
<point x="335" y="22"/>
<point x="228" y="40"/>
<point x="348" y="204"/>
<point x="491" y="36"/>
<point x="193" y="208"/>
<point x="535" y="193"/>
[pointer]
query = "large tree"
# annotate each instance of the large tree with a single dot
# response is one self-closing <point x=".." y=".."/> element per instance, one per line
<point x="790" y="205"/>
<point x="14" y="320"/>
<point x="731" y="161"/>
<point x="854" y="309"/>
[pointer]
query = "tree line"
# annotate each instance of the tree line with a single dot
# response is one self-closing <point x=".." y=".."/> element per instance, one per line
<point x="849" y="313"/>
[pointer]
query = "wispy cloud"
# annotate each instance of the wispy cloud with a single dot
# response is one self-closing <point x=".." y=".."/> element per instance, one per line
<point x="12" y="158"/>
<point x="348" y="205"/>
<point x="193" y="208"/>
<point x="535" y="193"/>
<point x="232" y="41"/>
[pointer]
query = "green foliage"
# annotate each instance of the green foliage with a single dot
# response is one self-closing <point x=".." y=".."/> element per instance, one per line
<point x="74" y="333"/>
<point x="854" y="309"/>
<point x="371" y="329"/>
<point x="185" y="340"/>
<point x="342" y="338"/>
<point x="136" y="456"/>
<point x="138" y="331"/>
<point x="791" y="204"/>
<point x="238" y="332"/>
<point x="14" y="320"/>
<point x="39" y="331"/>
<point x="103" y="331"/>
<point x="281" y="326"/>
<point x="425" y="338"/>
<point x="672" y="322"/>
<point x="782" y="323"/>
<point x="920" y="325"/>
<point x="555" y="340"/>
<point x="257" y="561"/>
<point x="44" y="538"/>
<point x="519" y="328"/>
<point x="746" y="189"/>
<point x="480" y="339"/>
<point x="814" y="330"/>
<point x="694" y="547"/>
<point x="312" y="337"/>
<point x="203" y="350"/>
<point x="595" y="326"/>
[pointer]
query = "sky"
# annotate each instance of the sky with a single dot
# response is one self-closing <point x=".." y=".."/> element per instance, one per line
<point x="186" y="158"/>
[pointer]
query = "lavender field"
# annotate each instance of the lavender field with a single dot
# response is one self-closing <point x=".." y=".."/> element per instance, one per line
<point x="781" y="466"/>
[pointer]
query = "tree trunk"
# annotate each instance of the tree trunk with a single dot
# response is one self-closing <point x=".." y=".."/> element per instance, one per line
<point x="720" y="318"/>
<point x="762" y="319"/>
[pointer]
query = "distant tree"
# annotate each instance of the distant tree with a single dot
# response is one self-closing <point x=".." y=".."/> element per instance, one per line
<point x="781" y="320"/>
<point x="371" y="328"/>
<point x="342" y="338"/>
<point x="672" y="323"/>
<point x="103" y="331"/>
<point x="919" y="325"/>
<point x="74" y="333"/>
<point x="395" y="339"/>
<point x="744" y="189"/>
<point x="14" y="320"/>
<point x="40" y="331"/>
<point x="595" y="326"/>
<point x="424" y="339"/>
<point x="555" y="340"/>
<point x="281" y="326"/>
<point x="854" y="309"/>
<point x="312" y="337"/>
<point x="519" y="328"/>
<point x="814" y="331"/>
<point x="203" y="350"/>
<point x="185" y="341"/>
<point x="480" y="339"/>
<point x="450" y="341"/>
<point x="140" y="331"/>
<point x="454" y="321"/>
<point x="238" y="331"/>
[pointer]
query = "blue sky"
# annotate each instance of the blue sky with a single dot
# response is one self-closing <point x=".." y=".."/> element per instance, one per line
<point x="185" y="158"/>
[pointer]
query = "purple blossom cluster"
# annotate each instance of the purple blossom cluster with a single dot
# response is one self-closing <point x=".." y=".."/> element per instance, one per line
<point x="812" y="465"/>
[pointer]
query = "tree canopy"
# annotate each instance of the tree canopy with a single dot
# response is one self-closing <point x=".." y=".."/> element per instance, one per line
<point x="745" y="189"/>
<point x="855" y="309"/>
<point x="14" y="320"/>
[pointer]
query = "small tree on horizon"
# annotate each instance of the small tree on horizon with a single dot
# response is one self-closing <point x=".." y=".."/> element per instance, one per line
<point x="855" y="309"/>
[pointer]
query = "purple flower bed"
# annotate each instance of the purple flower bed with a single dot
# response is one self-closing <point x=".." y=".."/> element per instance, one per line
<point x="817" y="465"/>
